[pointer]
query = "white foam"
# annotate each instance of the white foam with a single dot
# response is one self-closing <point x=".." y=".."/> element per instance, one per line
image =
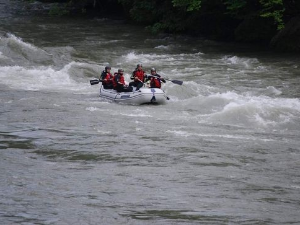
<point x="22" y="53"/>
<point x="163" y="47"/>
<point x="247" y="109"/>
<point x="235" y="60"/>
<point x="273" y="90"/>
<point x="20" y="42"/>
<point x="136" y="115"/>
<point x="262" y="110"/>
<point x="147" y="59"/>
<point x="103" y="132"/>
<point x="40" y="78"/>
<point x="295" y="186"/>
<point x="191" y="54"/>
<point x="131" y="56"/>
<point x="192" y="69"/>
<point x="3" y="56"/>
<point x="226" y="136"/>
<point x="92" y="109"/>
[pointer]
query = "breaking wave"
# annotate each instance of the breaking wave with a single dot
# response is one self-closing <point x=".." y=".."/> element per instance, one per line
<point x="207" y="95"/>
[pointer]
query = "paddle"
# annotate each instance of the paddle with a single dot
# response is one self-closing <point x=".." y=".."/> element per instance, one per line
<point x="95" y="81"/>
<point x="179" y="82"/>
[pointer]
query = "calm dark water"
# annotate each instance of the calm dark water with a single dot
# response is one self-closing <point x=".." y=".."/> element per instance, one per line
<point x="224" y="150"/>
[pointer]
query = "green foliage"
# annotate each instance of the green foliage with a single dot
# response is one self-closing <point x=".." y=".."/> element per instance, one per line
<point x="157" y="27"/>
<point x="59" y="9"/>
<point x="188" y="5"/>
<point x="266" y="8"/>
<point x="169" y="25"/>
<point x="143" y="11"/>
<point x="275" y="10"/>
<point x="234" y="6"/>
<point x="211" y="17"/>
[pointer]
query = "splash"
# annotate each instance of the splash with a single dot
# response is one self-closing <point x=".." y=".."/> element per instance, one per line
<point x="43" y="78"/>
<point x="249" y="110"/>
<point x="17" y="41"/>
<point x="239" y="61"/>
<point x="15" y="51"/>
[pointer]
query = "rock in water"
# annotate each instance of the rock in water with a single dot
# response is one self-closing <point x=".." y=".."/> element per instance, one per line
<point x="288" y="39"/>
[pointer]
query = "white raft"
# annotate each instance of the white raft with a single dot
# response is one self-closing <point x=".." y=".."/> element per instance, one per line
<point x="143" y="96"/>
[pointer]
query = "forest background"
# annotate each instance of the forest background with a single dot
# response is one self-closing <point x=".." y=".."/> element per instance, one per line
<point x="271" y="23"/>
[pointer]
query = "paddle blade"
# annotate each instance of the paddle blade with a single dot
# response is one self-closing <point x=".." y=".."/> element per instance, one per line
<point x="96" y="81"/>
<point x="179" y="82"/>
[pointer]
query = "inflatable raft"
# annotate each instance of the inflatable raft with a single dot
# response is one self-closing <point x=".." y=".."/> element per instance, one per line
<point x="142" y="96"/>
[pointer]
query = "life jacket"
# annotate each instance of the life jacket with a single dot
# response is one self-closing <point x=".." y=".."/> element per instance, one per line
<point x="118" y="78"/>
<point x="103" y="74"/>
<point x="139" y="74"/>
<point x="109" y="78"/>
<point x="155" y="82"/>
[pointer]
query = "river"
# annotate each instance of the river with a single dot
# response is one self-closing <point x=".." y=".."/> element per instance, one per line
<point x="223" y="150"/>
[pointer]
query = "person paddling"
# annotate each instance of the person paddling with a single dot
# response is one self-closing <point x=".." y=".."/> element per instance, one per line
<point x="107" y="78"/>
<point x="138" y="77"/>
<point x="155" y="79"/>
<point x="119" y="82"/>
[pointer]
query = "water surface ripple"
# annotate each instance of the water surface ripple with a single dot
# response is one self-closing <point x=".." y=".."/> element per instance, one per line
<point x="223" y="150"/>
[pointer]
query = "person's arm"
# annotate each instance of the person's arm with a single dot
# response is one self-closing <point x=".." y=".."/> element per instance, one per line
<point x="133" y="75"/>
<point x="119" y="80"/>
<point x="104" y="75"/>
<point x="145" y="78"/>
<point x="116" y="79"/>
<point x="136" y="78"/>
<point x="159" y="77"/>
<point x="148" y="77"/>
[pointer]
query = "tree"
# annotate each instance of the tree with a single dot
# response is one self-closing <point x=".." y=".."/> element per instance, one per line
<point x="275" y="10"/>
<point x="189" y="5"/>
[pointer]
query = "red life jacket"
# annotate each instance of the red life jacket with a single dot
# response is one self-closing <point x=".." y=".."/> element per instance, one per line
<point x="109" y="79"/>
<point x="118" y="78"/>
<point x="155" y="83"/>
<point x="139" y="74"/>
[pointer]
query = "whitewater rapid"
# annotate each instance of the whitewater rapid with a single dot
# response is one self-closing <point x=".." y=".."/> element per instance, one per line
<point x="224" y="149"/>
<point x="222" y="103"/>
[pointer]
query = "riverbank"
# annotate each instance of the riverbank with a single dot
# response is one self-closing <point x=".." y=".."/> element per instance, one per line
<point x="249" y="23"/>
<point x="223" y="150"/>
